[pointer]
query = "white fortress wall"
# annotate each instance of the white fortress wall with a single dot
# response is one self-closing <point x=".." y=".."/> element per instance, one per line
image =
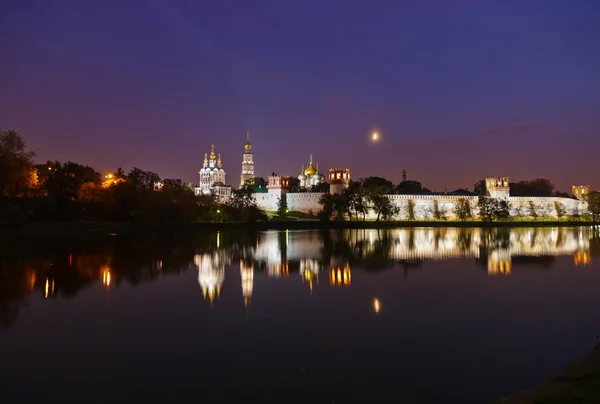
<point x="424" y="204"/>
<point x="266" y="200"/>
<point x="545" y="206"/>
<point x="304" y="201"/>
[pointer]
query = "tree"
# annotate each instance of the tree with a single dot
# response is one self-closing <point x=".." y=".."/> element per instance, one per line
<point x="282" y="207"/>
<point x="480" y="188"/>
<point x="260" y="182"/>
<point x="535" y="187"/>
<point x="332" y="205"/>
<point x="320" y="187"/>
<point x="462" y="210"/>
<point x="593" y="200"/>
<point x="487" y="211"/>
<point x="438" y="214"/>
<point x="410" y="209"/>
<point x="294" y="184"/>
<point x="502" y="209"/>
<point x="385" y="186"/>
<point x="327" y="208"/>
<point x="532" y="210"/>
<point x="382" y="206"/>
<point x="410" y="188"/>
<point x="16" y="164"/>
<point x="63" y="181"/>
<point x="561" y="210"/>
<point x="142" y="179"/>
<point x="242" y="198"/>
<point x="491" y="209"/>
<point x="355" y="200"/>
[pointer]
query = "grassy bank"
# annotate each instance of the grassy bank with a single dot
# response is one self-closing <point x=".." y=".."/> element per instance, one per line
<point x="579" y="383"/>
<point x="74" y="228"/>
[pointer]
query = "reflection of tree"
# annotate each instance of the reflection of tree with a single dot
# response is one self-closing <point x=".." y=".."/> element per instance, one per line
<point x="70" y="265"/>
<point x="464" y="239"/>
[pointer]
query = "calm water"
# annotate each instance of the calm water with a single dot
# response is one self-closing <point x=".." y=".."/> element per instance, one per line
<point x="412" y="315"/>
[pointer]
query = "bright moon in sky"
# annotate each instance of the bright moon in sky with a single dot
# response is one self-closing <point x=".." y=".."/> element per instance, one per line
<point x="375" y="136"/>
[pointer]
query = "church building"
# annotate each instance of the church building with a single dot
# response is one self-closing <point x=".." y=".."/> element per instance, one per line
<point x="212" y="176"/>
<point x="311" y="176"/>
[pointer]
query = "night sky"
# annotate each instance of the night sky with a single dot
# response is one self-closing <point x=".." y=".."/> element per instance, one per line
<point x="459" y="90"/>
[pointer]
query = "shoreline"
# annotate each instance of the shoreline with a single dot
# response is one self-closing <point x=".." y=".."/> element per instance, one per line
<point x="579" y="382"/>
<point x="78" y="228"/>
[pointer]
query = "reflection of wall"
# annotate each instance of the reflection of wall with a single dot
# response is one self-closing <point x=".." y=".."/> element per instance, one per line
<point x="582" y="258"/>
<point x="499" y="263"/>
<point x="340" y="276"/>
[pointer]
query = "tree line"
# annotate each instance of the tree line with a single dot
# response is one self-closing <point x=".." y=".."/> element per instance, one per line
<point x="67" y="191"/>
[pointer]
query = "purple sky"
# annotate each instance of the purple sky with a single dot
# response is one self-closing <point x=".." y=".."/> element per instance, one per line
<point x="459" y="90"/>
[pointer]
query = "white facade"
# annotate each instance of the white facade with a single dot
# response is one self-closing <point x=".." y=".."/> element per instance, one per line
<point x="212" y="176"/>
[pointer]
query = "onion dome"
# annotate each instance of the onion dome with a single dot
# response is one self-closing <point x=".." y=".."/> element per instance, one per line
<point x="310" y="170"/>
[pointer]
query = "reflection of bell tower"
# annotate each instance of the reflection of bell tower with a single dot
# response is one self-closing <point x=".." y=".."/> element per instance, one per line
<point x="247" y="275"/>
<point x="309" y="271"/>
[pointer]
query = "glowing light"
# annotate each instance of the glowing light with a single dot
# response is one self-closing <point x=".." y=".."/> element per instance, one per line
<point x="376" y="305"/>
<point x="106" y="278"/>
<point x="375" y="136"/>
<point x="46" y="289"/>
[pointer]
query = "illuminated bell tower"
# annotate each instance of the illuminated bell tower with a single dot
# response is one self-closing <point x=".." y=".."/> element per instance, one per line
<point x="247" y="163"/>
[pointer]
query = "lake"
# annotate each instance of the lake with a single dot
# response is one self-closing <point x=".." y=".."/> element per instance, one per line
<point x="332" y="316"/>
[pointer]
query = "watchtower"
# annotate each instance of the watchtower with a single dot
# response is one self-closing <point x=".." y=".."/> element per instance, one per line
<point x="498" y="187"/>
<point x="581" y="191"/>
<point x="339" y="178"/>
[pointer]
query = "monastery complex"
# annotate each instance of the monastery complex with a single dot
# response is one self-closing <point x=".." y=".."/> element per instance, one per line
<point x="212" y="180"/>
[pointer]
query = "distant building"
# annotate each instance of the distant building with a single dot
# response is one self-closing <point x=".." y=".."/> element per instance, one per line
<point x="581" y="191"/>
<point x="247" y="163"/>
<point x="212" y="176"/>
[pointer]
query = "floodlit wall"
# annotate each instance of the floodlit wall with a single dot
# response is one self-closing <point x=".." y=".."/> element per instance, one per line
<point x="267" y="200"/>
<point x="424" y="205"/>
<point x="304" y="201"/>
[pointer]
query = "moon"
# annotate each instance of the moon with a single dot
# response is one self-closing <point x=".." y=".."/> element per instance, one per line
<point x="375" y="136"/>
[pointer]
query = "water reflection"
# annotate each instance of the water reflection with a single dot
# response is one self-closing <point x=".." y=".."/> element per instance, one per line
<point x="61" y="268"/>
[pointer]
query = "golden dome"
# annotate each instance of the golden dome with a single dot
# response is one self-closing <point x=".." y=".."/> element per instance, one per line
<point x="310" y="170"/>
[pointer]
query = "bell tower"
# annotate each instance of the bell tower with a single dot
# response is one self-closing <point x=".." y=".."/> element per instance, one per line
<point x="247" y="163"/>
